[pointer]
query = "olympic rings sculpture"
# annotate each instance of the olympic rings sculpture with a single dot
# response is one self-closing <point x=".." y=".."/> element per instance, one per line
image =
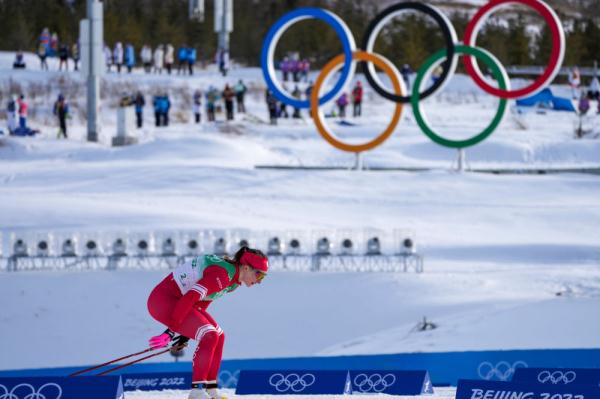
<point x="294" y="382"/>
<point x="374" y="382"/>
<point x="446" y="58"/>
<point x="557" y="377"/>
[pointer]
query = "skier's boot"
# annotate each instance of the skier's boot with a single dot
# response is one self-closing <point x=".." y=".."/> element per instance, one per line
<point x="199" y="393"/>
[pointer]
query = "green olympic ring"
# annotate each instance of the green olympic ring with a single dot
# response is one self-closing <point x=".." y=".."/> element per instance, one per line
<point x="497" y="71"/>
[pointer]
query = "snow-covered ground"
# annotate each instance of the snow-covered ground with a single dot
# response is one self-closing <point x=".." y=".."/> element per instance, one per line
<point x="516" y="256"/>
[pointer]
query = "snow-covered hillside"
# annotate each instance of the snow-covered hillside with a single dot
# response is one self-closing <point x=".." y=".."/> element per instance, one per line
<point x="506" y="254"/>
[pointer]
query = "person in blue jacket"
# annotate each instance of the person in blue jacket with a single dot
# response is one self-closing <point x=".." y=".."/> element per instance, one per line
<point x="139" y="102"/>
<point x="162" y="105"/>
<point x="191" y="59"/>
<point x="129" y="57"/>
<point x="182" y="59"/>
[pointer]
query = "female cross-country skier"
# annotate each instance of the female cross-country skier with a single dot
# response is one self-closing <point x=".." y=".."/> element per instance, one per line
<point x="180" y="302"/>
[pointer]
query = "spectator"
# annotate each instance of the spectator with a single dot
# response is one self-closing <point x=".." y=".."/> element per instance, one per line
<point x="146" y="56"/>
<point x="43" y="54"/>
<point x="108" y="59"/>
<point x="139" y="103"/>
<point x="272" y="106"/>
<point x="295" y="69"/>
<point x="304" y="69"/>
<point x="191" y="59"/>
<point x="162" y="105"/>
<point x="223" y="61"/>
<point x="574" y="81"/>
<point x="357" y="96"/>
<point x="118" y="56"/>
<point x="297" y="94"/>
<point x="308" y="92"/>
<point x="19" y="62"/>
<point x="285" y="68"/>
<point x="282" y="112"/>
<point x="342" y="102"/>
<point x="169" y="57"/>
<point x="240" y="92"/>
<point x="197" y="105"/>
<point x="212" y="96"/>
<point x="182" y="59"/>
<point x="129" y="57"/>
<point x="61" y="110"/>
<point x="406" y="72"/>
<point x="22" y="108"/>
<point x="54" y="45"/>
<point x="228" y="96"/>
<point x="594" y="90"/>
<point x="45" y="40"/>
<point x="12" y="116"/>
<point x="158" y="59"/>
<point x="166" y="108"/>
<point x="584" y="104"/>
<point x="436" y="74"/>
<point x="63" y="56"/>
<point x="75" y="55"/>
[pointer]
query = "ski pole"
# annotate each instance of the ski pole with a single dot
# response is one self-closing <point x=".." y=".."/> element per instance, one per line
<point x="112" y="361"/>
<point x="177" y="347"/>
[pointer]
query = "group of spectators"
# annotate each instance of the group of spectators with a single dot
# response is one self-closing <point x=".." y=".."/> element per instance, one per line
<point x="163" y="57"/>
<point x="50" y="46"/>
<point x="123" y="56"/>
<point x="294" y="67"/>
<point x="214" y="98"/>
<point x="17" y="111"/>
<point x="278" y="109"/>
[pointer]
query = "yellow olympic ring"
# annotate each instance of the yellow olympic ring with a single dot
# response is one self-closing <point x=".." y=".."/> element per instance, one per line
<point x="399" y="90"/>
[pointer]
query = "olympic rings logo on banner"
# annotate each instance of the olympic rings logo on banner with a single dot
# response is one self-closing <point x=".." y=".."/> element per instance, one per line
<point x="293" y="382"/>
<point x="346" y="62"/>
<point x="556" y="377"/>
<point x="374" y="382"/>
<point x="502" y="371"/>
<point x="227" y="379"/>
<point x="31" y="395"/>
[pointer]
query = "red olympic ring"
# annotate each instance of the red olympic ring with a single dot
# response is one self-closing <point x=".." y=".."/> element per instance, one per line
<point x="558" y="48"/>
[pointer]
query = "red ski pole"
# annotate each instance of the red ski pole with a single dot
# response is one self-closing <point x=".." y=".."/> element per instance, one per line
<point x="178" y="347"/>
<point x="112" y="361"/>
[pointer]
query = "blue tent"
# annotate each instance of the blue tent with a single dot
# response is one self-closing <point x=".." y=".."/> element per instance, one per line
<point x="546" y="99"/>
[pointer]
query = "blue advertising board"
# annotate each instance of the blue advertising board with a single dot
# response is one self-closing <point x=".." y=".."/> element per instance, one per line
<point x="61" y="387"/>
<point x="479" y="389"/>
<point x="291" y="382"/>
<point x="445" y="368"/>
<point x="391" y="382"/>
<point x="157" y="381"/>
<point x="558" y="376"/>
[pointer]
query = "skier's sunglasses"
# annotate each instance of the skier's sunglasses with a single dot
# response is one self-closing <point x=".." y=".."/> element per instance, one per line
<point x="259" y="275"/>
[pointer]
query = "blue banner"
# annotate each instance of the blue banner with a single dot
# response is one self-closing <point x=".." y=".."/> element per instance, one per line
<point x="478" y="389"/>
<point x="445" y="368"/>
<point x="157" y="381"/>
<point x="62" y="387"/>
<point x="391" y="382"/>
<point x="558" y="376"/>
<point x="292" y="382"/>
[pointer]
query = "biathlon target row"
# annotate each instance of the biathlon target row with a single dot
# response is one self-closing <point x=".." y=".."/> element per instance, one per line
<point x="446" y="58"/>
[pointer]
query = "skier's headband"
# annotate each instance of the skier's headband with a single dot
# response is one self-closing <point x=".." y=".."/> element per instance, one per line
<point x="255" y="261"/>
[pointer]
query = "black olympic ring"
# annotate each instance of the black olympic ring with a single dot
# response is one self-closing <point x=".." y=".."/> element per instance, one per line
<point x="447" y="31"/>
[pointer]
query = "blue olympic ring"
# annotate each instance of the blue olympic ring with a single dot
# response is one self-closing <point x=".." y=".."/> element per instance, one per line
<point x="268" y="53"/>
